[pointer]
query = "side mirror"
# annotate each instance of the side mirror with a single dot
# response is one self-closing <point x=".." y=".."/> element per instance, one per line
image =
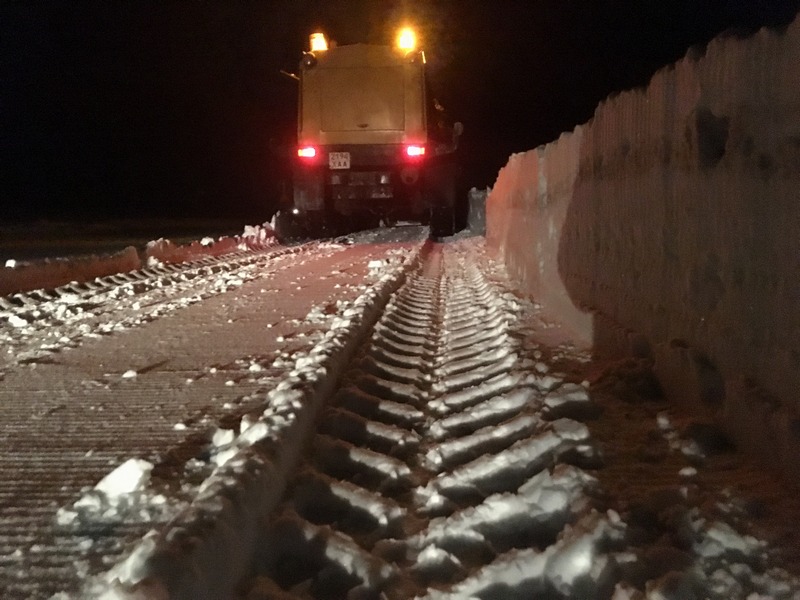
<point x="308" y="61"/>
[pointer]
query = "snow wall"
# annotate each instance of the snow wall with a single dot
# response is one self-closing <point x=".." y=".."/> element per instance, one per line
<point x="668" y="226"/>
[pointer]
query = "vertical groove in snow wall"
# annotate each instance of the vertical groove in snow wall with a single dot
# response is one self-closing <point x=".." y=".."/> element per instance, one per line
<point x="667" y="227"/>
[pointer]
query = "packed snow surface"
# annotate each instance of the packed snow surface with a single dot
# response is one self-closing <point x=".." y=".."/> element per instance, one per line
<point x="489" y="448"/>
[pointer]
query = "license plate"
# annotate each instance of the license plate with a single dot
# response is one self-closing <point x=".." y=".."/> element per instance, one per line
<point x="339" y="160"/>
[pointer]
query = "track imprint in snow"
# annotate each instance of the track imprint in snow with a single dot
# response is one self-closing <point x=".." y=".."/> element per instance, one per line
<point x="433" y="469"/>
<point x="46" y="321"/>
<point x="450" y="462"/>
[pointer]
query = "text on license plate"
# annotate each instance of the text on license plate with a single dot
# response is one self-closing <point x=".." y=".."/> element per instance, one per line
<point x="339" y="160"/>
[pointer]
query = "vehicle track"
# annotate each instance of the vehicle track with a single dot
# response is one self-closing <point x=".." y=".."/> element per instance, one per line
<point x="47" y="321"/>
<point x="433" y="461"/>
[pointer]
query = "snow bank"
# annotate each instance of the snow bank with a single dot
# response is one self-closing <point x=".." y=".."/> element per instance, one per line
<point x="253" y="238"/>
<point x="17" y="276"/>
<point x="23" y="276"/>
<point x="668" y="226"/>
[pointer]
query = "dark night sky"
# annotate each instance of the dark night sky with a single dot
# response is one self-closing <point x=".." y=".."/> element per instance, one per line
<point x="166" y="109"/>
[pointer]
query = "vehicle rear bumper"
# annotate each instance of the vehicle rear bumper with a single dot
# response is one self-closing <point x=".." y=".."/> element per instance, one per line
<point x="381" y="180"/>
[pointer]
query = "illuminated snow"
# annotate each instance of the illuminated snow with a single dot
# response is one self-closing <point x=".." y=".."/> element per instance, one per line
<point x="120" y="496"/>
<point x="583" y="555"/>
<point x="545" y="499"/>
<point x="16" y="321"/>
<point x="507" y="403"/>
<point x="130" y="476"/>
<point x="516" y="428"/>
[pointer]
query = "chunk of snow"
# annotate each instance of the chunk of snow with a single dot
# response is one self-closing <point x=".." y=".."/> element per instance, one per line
<point x="429" y="499"/>
<point x="434" y="560"/>
<point x="222" y="437"/>
<point x="692" y="449"/>
<point x="129" y="374"/>
<point x="573" y="562"/>
<point x="567" y="429"/>
<point x="247" y="422"/>
<point x="16" y="321"/>
<point x="570" y="392"/>
<point x="223" y="456"/>
<point x="254" y="433"/>
<point x="547" y="383"/>
<point x="721" y="539"/>
<point x="130" y="476"/>
<point x="663" y="421"/>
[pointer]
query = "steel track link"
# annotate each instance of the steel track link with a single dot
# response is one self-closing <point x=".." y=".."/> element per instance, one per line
<point x="432" y="461"/>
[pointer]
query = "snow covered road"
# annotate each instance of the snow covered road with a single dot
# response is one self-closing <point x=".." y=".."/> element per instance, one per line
<point x="148" y="374"/>
<point x="380" y="419"/>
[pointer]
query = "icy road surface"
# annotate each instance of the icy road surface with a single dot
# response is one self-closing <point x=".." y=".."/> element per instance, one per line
<point x="376" y="417"/>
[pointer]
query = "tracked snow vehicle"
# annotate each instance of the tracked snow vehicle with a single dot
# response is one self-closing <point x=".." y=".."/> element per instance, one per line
<point x="372" y="143"/>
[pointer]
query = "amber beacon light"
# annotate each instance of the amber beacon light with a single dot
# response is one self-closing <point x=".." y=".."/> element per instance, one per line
<point x="406" y="39"/>
<point x="318" y="42"/>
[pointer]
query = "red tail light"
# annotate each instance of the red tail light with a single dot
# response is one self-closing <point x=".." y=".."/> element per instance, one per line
<point x="306" y="152"/>
<point x="414" y="151"/>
